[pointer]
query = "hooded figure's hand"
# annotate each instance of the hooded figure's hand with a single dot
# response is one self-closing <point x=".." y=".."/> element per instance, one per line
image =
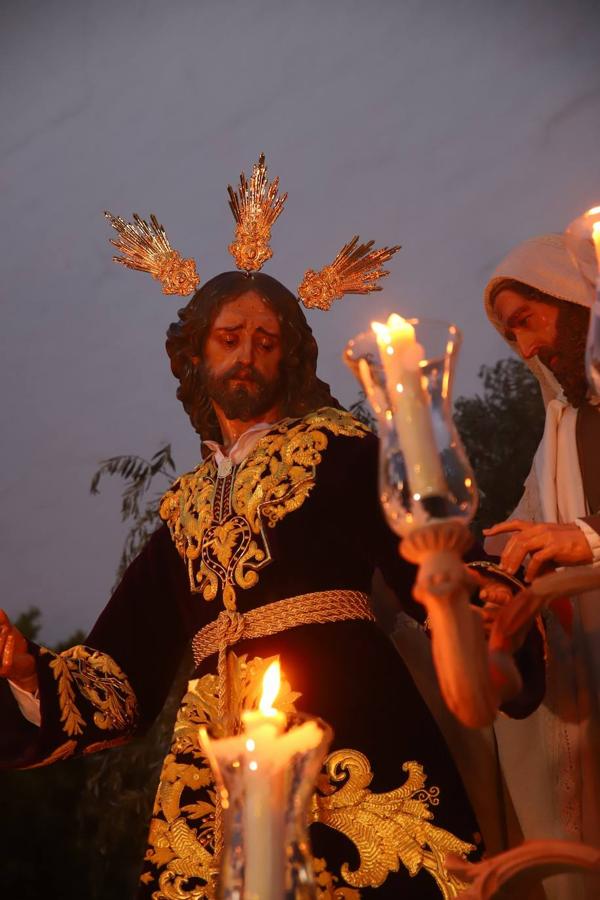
<point x="546" y="543"/>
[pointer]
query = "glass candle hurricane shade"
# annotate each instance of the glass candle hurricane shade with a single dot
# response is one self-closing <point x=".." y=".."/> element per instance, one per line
<point x="266" y="789"/>
<point x="406" y="370"/>
<point x="583" y="241"/>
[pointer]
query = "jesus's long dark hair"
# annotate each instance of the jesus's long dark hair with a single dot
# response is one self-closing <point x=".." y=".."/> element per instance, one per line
<point x="302" y="391"/>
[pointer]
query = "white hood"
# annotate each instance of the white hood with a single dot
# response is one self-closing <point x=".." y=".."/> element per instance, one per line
<point x="546" y="264"/>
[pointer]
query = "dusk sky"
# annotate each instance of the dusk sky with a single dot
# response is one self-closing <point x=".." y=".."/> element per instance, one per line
<point x="456" y="129"/>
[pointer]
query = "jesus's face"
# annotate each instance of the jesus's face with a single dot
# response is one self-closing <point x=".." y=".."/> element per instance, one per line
<point x="242" y="358"/>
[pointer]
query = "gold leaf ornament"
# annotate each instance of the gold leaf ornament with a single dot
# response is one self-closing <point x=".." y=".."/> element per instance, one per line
<point x="255" y="207"/>
<point x="146" y="248"/>
<point x="355" y="270"/>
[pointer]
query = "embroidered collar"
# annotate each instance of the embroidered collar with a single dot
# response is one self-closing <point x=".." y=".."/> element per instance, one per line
<point x="241" y="449"/>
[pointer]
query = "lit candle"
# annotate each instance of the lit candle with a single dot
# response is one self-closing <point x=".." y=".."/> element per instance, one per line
<point x="264" y="825"/>
<point x="401" y="356"/>
<point x="264" y="751"/>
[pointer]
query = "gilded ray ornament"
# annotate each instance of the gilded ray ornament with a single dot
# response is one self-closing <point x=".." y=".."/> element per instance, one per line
<point x="355" y="270"/>
<point x="146" y="248"/>
<point x="255" y="207"/>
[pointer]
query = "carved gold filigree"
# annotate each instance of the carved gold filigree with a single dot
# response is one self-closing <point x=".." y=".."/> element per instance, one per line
<point x="355" y="270"/>
<point x="255" y="207"/>
<point x="272" y="482"/>
<point x="389" y="829"/>
<point x="81" y="671"/>
<point x="146" y="248"/>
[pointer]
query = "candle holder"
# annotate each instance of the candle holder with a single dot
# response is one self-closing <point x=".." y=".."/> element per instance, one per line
<point x="424" y="472"/>
<point x="583" y="242"/>
<point x="428" y="494"/>
<point x="265" y="796"/>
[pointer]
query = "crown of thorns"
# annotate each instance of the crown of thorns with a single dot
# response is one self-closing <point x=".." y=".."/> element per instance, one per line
<point x="256" y="205"/>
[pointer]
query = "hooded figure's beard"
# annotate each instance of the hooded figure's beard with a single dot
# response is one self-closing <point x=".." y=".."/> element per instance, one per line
<point x="569" y="368"/>
<point x="246" y="400"/>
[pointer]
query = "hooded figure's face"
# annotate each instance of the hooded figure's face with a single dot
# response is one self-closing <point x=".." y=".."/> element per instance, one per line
<point x="552" y="330"/>
<point x="530" y="324"/>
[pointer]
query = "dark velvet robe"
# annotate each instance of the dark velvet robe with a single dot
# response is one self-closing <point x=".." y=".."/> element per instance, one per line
<point x="318" y="526"/>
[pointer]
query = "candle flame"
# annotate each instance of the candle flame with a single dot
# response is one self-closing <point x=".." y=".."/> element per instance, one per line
<point x="395" y="327"/>
<point x="270" y="687"/>
<point x="381" y="332"/>
<point x="593" y="211"/>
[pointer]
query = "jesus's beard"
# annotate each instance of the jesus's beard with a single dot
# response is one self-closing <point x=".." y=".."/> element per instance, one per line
<point x="245" y="400"/>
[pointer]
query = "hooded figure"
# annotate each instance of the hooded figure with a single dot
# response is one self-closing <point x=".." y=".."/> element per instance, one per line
<point x="539" y="302"/>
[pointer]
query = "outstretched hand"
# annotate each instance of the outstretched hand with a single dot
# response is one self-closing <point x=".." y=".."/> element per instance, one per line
<point x="16" y="662"/>
<point x="545" y="542"/>
<point x="493" y="594"/>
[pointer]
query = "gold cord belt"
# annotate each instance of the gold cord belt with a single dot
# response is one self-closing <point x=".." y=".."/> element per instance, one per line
<point x="306" y="609"/>
<point x="231" y="626"/>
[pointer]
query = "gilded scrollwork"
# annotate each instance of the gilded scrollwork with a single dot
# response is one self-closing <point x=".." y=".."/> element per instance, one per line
<point x="221" y="532"/>
<point x="95" y="676"/>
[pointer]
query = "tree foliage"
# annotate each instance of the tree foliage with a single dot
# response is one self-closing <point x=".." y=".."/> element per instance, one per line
<point x="137" y="508"/>
<point x="501" y="429"/>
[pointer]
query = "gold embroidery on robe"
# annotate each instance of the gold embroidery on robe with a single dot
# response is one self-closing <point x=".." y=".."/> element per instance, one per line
<point x="387" y="829"/>
<point x="328" y="886"/>
<point x="96" y="677"/>
<point x="64" y="751"/>
<point x="181" y="835"/>
<point x="219" y="524"/>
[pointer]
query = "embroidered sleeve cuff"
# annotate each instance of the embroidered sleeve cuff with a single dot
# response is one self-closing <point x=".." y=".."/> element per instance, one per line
<point x="592" y="537"/>
<point x="28" y="703"/>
